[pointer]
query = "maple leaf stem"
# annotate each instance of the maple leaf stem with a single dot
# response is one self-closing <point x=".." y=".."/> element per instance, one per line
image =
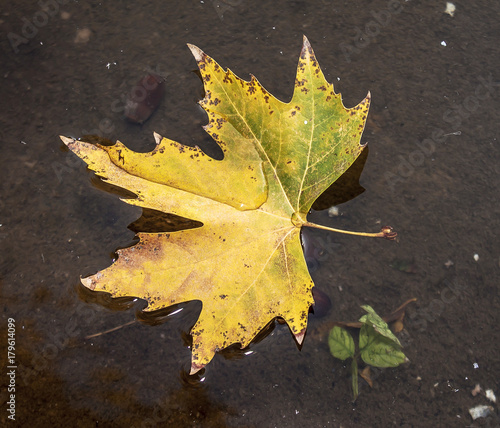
<point x="386" y="232"/>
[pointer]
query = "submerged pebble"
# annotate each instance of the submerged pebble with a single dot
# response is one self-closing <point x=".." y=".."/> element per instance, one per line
<point x="82" y="35"/>
<point x="490" y="395"/>
<point x="480" y="411"/>
<point x="333" y="211"/>
<point x="450" y="9"/>
<point x="144" y="98"/>
<point x="322" y="303"/>
<point x="312" y="250"/>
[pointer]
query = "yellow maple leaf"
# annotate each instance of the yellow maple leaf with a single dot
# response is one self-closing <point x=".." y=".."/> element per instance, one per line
<point x="245" y="264"/>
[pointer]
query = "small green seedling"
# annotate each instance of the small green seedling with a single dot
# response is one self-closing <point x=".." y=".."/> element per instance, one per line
<point x="378" y="347"/>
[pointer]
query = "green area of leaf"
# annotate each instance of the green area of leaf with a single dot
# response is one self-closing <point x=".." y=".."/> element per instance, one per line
<point x="380" y="326"/>
<point x="341" y="343"/>
<point x="377" y="350"/>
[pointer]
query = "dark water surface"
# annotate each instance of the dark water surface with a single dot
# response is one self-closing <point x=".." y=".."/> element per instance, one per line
<point x="429" y="74"/>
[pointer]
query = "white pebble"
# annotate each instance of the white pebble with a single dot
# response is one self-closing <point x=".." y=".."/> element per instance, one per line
<point x="333" y="212"/>
<point x="490" y="395"/>
<point x="450" y="9"/>
<point x="480" y="411"/>
<point x="476" y="257"/>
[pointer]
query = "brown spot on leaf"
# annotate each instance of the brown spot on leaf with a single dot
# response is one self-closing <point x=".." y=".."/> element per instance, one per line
<point x="120" y="157"/>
